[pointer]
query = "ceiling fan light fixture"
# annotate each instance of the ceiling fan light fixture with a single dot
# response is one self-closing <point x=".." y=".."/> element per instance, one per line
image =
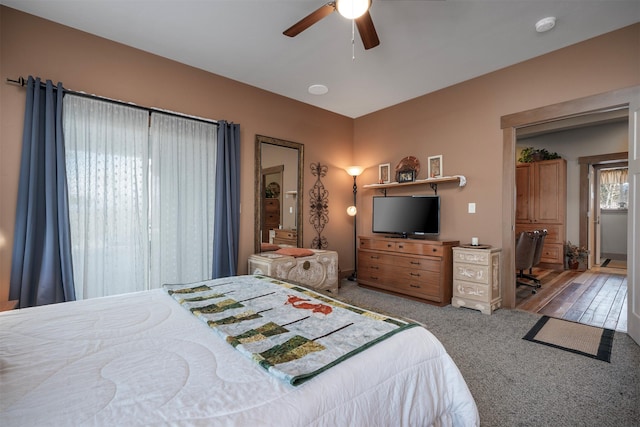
<point x="352" y="9"/>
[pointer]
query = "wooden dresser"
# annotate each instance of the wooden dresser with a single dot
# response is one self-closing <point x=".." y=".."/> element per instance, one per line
<point x="541" y="203"/>
<point x="270" y="217"/>
<point x="476" y="279"/>
<point x="419" y="269"/>
<point x="286" y="237"/>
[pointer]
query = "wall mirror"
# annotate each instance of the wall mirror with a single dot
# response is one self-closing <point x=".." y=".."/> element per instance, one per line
<point x="279" y="185"/>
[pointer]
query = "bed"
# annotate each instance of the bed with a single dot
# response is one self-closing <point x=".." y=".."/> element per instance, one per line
<point x="151" y="358"/>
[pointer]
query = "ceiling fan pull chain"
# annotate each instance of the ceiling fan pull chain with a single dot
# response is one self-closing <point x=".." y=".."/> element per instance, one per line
<point x="353" y="39"/>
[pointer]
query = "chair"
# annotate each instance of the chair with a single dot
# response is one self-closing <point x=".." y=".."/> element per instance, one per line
<point x="542" y="234"/>
<point x="525" y="253"/>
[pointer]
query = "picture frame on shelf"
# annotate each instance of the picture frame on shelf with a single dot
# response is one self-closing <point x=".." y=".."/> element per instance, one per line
<point x="408" y="175"/>
<point x="384" y="173"/>
<point x="435" y="166"/>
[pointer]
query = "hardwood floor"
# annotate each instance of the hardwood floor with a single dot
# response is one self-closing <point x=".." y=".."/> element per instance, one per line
<point x="595" y="297"/>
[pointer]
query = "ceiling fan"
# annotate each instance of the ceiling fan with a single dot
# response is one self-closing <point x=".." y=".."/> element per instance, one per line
<point x="358" y="10"/>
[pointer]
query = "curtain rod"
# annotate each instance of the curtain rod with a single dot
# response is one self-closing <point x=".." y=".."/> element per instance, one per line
<point x="21" y="81"/>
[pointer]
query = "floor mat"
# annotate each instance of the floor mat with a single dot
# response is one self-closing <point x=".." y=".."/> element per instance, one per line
<point x="590" y="341"/>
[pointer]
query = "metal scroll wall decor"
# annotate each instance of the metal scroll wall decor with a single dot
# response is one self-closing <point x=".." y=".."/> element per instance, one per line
<point x="319" y="200"/>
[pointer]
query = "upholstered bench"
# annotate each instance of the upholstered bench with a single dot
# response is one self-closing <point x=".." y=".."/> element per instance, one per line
<point x="317" y="269"/>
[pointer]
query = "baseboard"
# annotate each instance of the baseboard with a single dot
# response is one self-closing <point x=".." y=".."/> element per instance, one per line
<point x="619" y="257"/>
<point x="343" y="274"/>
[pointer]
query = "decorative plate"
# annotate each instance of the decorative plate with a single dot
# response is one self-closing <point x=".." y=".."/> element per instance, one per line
<point x="273" y="190"/>
<point x="409" y="163"/>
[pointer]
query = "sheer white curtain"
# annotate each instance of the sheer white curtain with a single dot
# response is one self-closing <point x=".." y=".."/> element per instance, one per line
<point x="129" y="234"/>
<point x="183" y="160"/>
<point x="107" y="155"/>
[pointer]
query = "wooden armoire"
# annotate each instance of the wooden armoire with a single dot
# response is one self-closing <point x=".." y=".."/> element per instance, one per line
<point x="541" y="202"/>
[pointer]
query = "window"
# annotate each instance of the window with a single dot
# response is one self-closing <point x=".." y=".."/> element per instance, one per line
<point x="141" y="197"/>
<point x="614" y="188"/>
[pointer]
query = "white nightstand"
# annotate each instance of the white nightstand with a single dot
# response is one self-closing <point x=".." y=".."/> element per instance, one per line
<point x="476" y="278"/>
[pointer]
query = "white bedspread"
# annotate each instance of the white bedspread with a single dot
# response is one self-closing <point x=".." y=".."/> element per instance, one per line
<point x="141" y="359"/>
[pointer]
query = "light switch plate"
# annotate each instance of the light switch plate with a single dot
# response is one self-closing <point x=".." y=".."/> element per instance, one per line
<point x="472" y="208"/>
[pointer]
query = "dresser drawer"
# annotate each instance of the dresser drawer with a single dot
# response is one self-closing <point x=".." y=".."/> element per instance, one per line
<point x="471" y="272"/>
<point x="412" y="262"/>
<point x="272" y="205"/>
<point x="419" y="248"/>
<point x="271" y="218"/>
<point x="469" y="290"/>
<point x="394" y="273"/>
<point x="425" y="284"/>
<point x="286" y="234"/>
<point x="371" y="270"/>
<point x="552" y="253"/>
<point x="399" y="278"/>
<point x="402" y="246"/>
<point x="416" y="288"/>
<point x="471" y="256"/>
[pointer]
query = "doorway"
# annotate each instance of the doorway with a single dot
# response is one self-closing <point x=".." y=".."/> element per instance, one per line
<point x="588" y="146"/>
<point x="591" y="215"/>
<point x="629" y="99"/>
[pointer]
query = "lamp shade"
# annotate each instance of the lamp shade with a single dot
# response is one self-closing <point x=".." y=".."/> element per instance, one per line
<point x="352" y="211"/>
<point x="354" y="170"/>
<point x="352" y="9"/>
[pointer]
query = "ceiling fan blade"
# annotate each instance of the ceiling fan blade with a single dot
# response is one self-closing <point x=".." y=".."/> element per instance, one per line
<point x="367" y="31"/>
<point x="310" y="19"/>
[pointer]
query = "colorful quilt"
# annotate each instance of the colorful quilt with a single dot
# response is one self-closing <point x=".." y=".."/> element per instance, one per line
<point x="292" y="332"/>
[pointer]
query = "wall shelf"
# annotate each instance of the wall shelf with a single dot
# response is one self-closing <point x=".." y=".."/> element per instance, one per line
<point x="432" y="182"/>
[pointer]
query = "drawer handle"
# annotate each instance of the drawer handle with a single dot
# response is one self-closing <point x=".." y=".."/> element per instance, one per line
<point x="374" y="257"/>
<point x="401" y="246"/>
<point x="374" y="267"/>
<point x="415" y="286"/>
<point x="434" y="250"/>
<point x="414" y="274"/>
<point x="374" y="277"/>
<point x="415" y="262"/>
<point x="389" y="245"/>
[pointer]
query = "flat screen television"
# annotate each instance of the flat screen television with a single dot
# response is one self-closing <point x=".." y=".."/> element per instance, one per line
<point x="406" y="215"/>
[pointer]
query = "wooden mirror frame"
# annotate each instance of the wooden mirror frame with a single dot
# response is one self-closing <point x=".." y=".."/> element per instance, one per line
<point x="260" y="139"/>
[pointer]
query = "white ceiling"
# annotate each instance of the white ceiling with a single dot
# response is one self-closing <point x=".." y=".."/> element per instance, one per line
<point x="426" y="45"/>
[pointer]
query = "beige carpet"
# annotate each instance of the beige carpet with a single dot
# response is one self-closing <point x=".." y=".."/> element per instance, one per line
<point x="577" y="338"/>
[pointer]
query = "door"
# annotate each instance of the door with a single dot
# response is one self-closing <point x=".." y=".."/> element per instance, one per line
<point x="550" y="191"/>
<point x="633" y="222"/>
<point x="597" y="241"/>
<point x="524" y="193"/>
<point x="594" y="219"/>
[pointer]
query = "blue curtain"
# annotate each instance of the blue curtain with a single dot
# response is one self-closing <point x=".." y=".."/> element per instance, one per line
<point x="227" y="203"/>
<point x="41" y="268"/>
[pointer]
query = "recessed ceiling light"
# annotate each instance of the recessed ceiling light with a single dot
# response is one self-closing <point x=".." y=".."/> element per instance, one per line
<point x="318" y="89"/>
<point x="545" y="24"/>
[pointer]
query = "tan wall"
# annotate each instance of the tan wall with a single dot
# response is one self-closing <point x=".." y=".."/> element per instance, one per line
<point x="33" y="46"/>
<point x="462" y="123"/>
